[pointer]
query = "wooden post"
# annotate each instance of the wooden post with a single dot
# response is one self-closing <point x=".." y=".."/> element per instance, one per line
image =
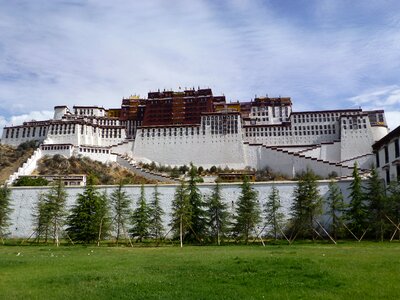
<point x="351" y="232"/>
<point x="326" y="232"/>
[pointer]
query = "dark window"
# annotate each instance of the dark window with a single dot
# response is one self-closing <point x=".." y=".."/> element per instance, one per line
<point x="396" y="148"/>
<point x="386" y="155"/>
<point x="398" y="172"/>
<point x="377" y="159"/>
<point x="387" y="176"/>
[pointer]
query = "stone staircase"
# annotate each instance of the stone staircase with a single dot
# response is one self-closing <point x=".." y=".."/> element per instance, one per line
<point x="130" y="164"/>
<point x="302" y="159"/>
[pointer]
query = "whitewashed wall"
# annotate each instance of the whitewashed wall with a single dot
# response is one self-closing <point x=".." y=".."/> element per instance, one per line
<point x="203" y="150"/>
<point x="24" y="199"/>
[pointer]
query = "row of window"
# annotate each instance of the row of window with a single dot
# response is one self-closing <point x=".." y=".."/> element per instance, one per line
<point x="110" y="133"/>
<point x="108" y="122"/>
<point x="57" y="147"/>
<point x="91" y="150"/>
<point x="355" y="120"/>
<point x="387" y="174"/>
<point x="85" y="111"/>
<point x="386" y="152"/>
<point x="290" y="133"/>
<point x="289" y="129"/>
<point x="26" y="132"/>
<point x="264" y="111"/>
<point x="152" y="132"/>
<point x="355" y="126"/>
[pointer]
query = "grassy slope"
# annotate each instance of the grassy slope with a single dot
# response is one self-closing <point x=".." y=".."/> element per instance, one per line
<point x="347" y="271"/>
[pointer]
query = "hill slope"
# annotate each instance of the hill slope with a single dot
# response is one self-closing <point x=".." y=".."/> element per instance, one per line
<point x="103" y="173"/>
<point x="12" y="158"/>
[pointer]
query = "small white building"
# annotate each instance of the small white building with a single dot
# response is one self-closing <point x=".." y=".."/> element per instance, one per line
<point x="387" y="156"/>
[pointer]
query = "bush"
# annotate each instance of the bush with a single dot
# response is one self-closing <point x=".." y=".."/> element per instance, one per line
<point x="29" y="181"/>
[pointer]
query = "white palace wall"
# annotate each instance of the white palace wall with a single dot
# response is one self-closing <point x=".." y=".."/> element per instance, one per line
<point x="24" y="199"/>
<point x="202" y="150"/>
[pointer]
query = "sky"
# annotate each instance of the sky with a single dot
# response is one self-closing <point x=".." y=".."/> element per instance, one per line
<point x="323" y="54"/>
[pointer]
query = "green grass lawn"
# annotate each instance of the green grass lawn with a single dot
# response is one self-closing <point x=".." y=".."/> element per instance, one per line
<point x="301" y="271"/>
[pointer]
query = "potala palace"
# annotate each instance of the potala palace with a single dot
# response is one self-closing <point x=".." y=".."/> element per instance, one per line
<point x="176" y="128"/>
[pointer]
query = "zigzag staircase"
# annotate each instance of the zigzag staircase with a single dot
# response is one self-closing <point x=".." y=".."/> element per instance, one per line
<point x="129" y="164"/>
<point x="324" y="163"/>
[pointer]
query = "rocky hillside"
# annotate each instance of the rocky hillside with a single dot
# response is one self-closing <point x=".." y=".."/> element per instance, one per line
<point x="103" y="173"/>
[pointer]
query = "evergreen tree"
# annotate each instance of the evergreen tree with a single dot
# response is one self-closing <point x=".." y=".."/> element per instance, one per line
<point x="198" y="221"/>
<point x="356" y="214"/>
<point x="306" y="205"/>
<point x="42" y="219"/>
<point x="104" y="216"/>
<point x="335" y="208"/>
<point x="217" y="214"/>
<point x="140" y="218"/>
<point x="55" y="201"/>
<point x="247" y="211"/>
<point x="87" y="220"/>
<point x="272" y="211"/>
<point x="156" y="227"/>
<point x="181" y="212"/>
<point x="5" y="210"/>
<point x="120" y="203"/>
<point x="376" y="200"/>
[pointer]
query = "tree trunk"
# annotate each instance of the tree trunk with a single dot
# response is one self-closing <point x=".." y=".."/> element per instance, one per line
<point x="117" y="233"/>
<point x="180" y="232"/>
<point x="56" y="233"/>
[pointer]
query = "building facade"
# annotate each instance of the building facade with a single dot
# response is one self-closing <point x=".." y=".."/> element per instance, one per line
<point x="387" y="156"/>
<point x="176" y="128"/>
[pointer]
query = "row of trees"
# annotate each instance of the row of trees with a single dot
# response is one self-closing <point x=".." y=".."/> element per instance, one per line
<point x="194" y="218"/>
<point x="371" y="211"/>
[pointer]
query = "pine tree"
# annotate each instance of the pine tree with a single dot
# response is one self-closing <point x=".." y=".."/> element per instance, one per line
<point x="104" y="216"/>
<point x="335" y="208"/>
<point x="50" y="213"/>
<point x="156" y="227"/>
<point x="272" y="211"/>
<point x="356" y="214"/>
<point x="217" y="214"/>
<point x="5" y="210"/>
<point x="120" y="203"/>
<point x="247" y="211"/>
<point x="140" y="218"/>
<point x="376" y="201"/>
<point x="55" y="201"/>
<point x="87" y="220"/>
<point x="306" y="206"/>
<point x="42" y="219"/>
<point x="198" y="221"/>
<point x="181" y="212"/>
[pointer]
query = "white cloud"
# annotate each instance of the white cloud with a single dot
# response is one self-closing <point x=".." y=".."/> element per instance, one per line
<point x="392" y="119"/>
<point x="96" y="52"/>
<point x="381" y="97"/>
<point x="386" y="98"/>
<point x="3" y="122"/>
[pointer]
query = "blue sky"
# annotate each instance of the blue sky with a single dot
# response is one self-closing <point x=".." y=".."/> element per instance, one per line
<point x="323" y="54"/>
